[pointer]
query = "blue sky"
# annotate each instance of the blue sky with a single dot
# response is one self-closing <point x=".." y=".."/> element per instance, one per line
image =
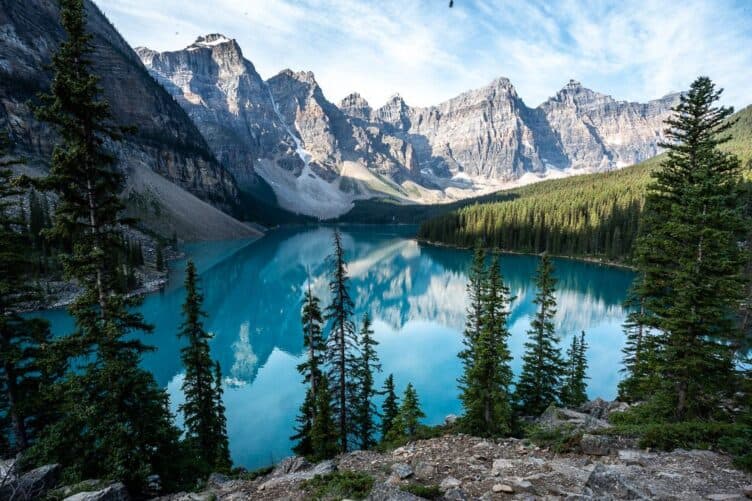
<point x="632" y="49"/>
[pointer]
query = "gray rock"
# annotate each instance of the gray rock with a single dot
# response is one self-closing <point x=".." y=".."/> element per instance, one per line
<point x="555" y="417"/>
<point x="724" y="497"/>
<point x="449" y="483"/>
<point x="503" y="488"/>
<point x="455" y="494"/>
<point x="607" y="483"/>
<point x="501" y="466"/>
<point x="298" y="469"/>
<point x="597" y="408"/>
<point x="114" y="492"/>
<point x="216" y="480"/>
<point x="450" y="419"/>
<point x="596" y="445"/>
<point x="31" y="485"/>
<point x="290" y="465"/>
<point x="521" y="485"/>
<point x="747" y="490"/>
<point x="386" y="492"/>
<point x="425" y="470"/>
<point x="402" y="470"/>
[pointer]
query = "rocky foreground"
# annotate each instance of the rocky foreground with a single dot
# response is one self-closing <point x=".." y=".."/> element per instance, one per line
<point x="465" y="467"/>
<point x="462" y="467"/>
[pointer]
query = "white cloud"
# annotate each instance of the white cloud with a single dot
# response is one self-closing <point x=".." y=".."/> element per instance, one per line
<point x="633" y="49"/>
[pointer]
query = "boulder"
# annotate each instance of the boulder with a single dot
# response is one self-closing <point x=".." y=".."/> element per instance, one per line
<point x="114" y="492"/>
<point x="449" y="483"/>
<point x="299" y="473"/>
<point x="290" y="465"/>
<point x="521" y="485"/>
<point x="455" y="494"/>
<point x="216" y="480"/>
<point x="502" y="488"/>
<point x="556" y="417"/>
<point x="597" y="408"/>
<point x="31" y="485"/>
<point x="596" y="445"/>
<point x="425" y="470"/>
<point x="402" y="470"/>
<point x="748" y="491"/>
<point x="607" y="483"/>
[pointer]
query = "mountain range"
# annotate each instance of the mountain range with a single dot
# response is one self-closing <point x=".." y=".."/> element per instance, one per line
<point x="215" y="140"/>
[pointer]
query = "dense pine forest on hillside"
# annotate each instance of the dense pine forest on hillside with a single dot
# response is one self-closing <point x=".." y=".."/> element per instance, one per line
<point x="590" y="215"/>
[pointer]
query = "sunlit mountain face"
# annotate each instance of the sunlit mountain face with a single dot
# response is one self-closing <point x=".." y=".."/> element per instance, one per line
<point x="415" y="294"/>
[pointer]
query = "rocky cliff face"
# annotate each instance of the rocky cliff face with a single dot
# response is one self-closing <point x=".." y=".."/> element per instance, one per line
<point x="166" y="142"/>
<point x="318" y="157"/>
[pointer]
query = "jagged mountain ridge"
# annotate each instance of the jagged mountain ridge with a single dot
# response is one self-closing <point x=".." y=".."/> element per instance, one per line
<point x="318" y="157"/>
<point x="166" y="141"/>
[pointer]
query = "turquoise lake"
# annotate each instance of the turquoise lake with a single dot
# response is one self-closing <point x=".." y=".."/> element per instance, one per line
<point x="415" y="294"/>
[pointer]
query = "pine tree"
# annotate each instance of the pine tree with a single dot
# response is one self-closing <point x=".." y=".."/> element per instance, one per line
<point x="222" y="461"/>
<point x="159" y="263"/>
<point x="574" y="389"/>
<point x="389" y="408"/>
<point x="324" y="433"/>
<point x="690" y="258"/>
<point x="304" y="428"/>
<point x="310" y="369"/>
<point x="540" y="380"/>
<point x="410" y="412"/>
<point x="199" y="384"/>
<point x="368" y="363"/>
<point x="341" y="344"/>
<point x="313" y="341"/>
<point x="115" y="421"/>
<point x="487" y="373"/>
<point x="640" y="352"/>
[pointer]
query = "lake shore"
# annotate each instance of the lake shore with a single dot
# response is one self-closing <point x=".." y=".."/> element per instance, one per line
<point x="586" y="259"/>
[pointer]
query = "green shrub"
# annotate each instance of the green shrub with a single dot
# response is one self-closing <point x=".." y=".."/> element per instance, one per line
<point x="339" y="485"/>
<point x="423" y="432"/>
<point x="560" y="439"/>
<point x="251" y="475"/>
<point x="423" y="491"/>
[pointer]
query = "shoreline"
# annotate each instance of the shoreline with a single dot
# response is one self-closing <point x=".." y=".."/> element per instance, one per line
<point x="586" y="259"/>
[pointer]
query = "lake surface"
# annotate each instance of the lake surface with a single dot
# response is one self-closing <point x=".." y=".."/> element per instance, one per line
<point x="415" y="294"/>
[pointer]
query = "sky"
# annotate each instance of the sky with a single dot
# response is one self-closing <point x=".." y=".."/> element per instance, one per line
<point x="633" y="50"/>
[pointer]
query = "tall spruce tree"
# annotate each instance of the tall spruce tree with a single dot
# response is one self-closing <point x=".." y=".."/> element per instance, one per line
<point x="485" y="382"/>
<point x="203" y="422"/>
<point x="574" y="389"/>
<point x="690" y="258"/>
<point x="389" y="408"/>
<point x="115" y="419"/>
<point x="24" y="343"/>
<point x="341" y="344"/>
<point x="368" y="364"/>
<point x="542" y="367"/>
<point x="310" y="369"/>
